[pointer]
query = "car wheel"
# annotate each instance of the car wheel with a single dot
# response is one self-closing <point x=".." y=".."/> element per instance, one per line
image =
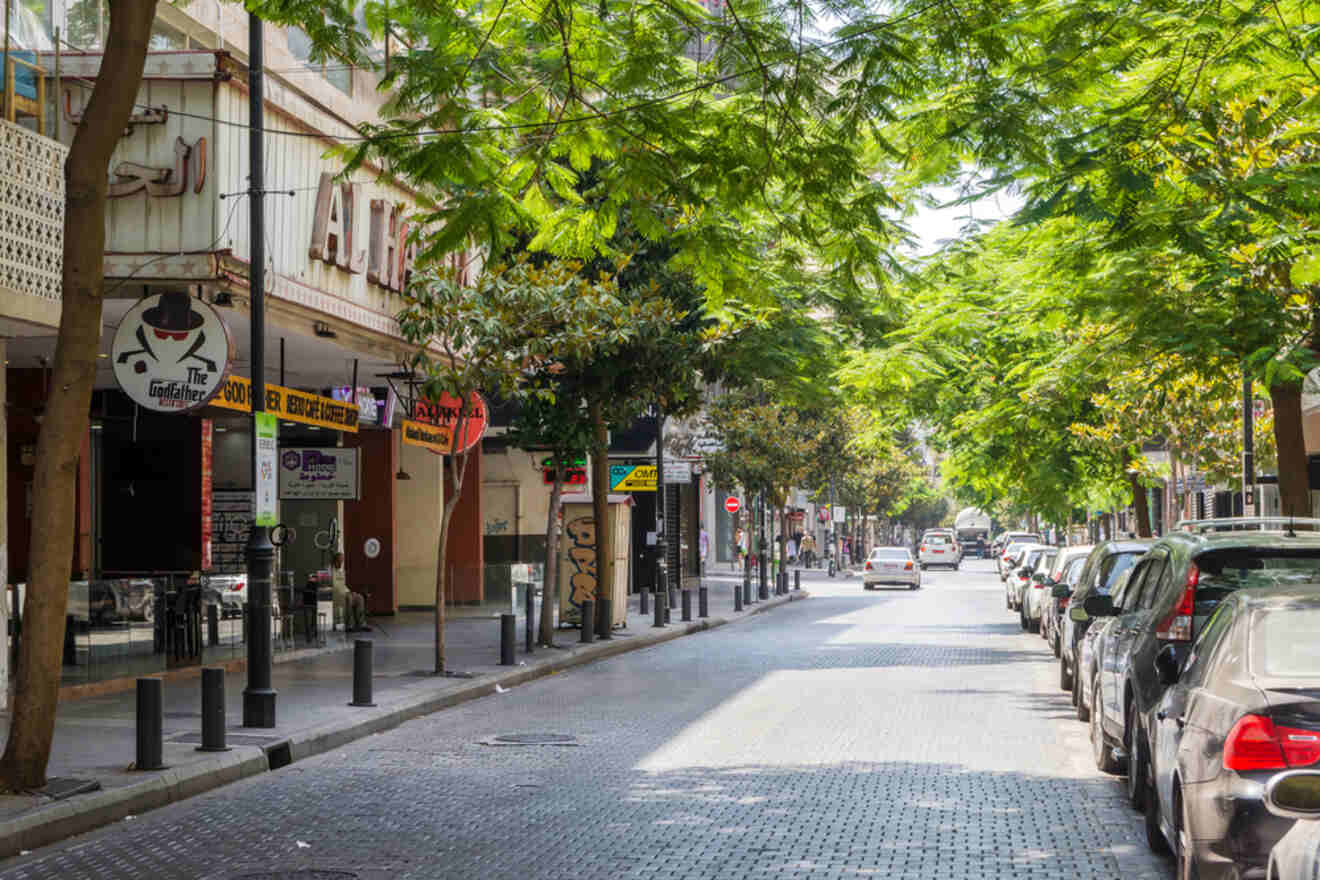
<point x="1054" y="642"/>
<point x="1065" y="680"/>
<point x="1184" y="860"/>
<point x="1083" y="713"/>
<point x="1154" y="834"/>
<point x="1008" y="603"/>
<point x="1132" y="743"/>
<point x="1100" y="748"/>
<point x="1033" y="625"/>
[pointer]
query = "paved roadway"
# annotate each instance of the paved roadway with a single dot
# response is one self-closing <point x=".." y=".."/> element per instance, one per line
<point x="889" y="734"/>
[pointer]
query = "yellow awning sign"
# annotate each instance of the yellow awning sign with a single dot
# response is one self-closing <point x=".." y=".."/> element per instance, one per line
<point x="436" y="438"/>
<point x="290" y="404"/>
<point x="632" y="478"/>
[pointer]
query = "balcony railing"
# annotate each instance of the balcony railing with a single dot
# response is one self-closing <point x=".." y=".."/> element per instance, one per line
<point x="31" y="212"/>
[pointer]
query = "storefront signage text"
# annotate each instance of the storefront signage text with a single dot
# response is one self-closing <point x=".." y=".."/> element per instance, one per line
<point x="171" y="352"/>
<point x="445" y="413"/>
<point x="434" y="437"/>
<point x="267" y="427"/>
<point x="632" y="478"/>
<point x="320" y="473"/>
<point x="290" y="404"/>
<point x="163" y="182"/>
<point x="337" y="239"/>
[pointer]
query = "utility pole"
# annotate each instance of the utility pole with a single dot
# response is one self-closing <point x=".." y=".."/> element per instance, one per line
<point x="258" y="696"/>
<point x="660" y="544"/>
<point x="1248" y="447"/>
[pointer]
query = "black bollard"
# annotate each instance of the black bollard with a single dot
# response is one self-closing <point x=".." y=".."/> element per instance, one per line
<point x="763" y="589"/>
<point x="797" y="579"/>
<point x="588" y="622"/>
<point x="667" y="612"/>
<point x="213" y="710"/>
<point x="508" y="636"/>
<point x="703" y="602"/>
<point x="643" y="596"/>
<point x="687" y="605"/>
<point x="605" y="620"/>
<point x="737" y="597"/>
<point x="362" y="673"/>
<point x="673" y="597"/>
<point x="747" y="587"/>
<point x="150" y="724"/>
<point x="213" y="625"/>
<point x="659" y="608"/>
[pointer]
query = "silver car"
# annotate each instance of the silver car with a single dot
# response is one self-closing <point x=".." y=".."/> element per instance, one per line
<point x="1295" y="794"/>
<point x="893" y="566"/>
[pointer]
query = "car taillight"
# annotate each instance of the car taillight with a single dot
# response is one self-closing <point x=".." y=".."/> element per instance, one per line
<point x="238" y="586"/>
<point x="1256" y="743"/>
<point x="1177" y="625"/>
<point x="907" y="566"/>
<point x="922" y="549"/>
<point x="868" y="565"/>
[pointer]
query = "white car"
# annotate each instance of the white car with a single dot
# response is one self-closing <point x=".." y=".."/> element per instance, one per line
<point x="1019" y="576"/>
<point x="891" y="565"/>
<point x="1007" y="542"/>
<point x="947" y="533"/>
<point x="938" y="550"/>
<point x="1295" y="794"/>
<point x="1035" y="590"/>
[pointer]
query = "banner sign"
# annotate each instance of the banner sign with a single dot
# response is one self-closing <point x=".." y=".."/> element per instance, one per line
<point x="268" y="428"/>
<point x="444" y="414"/>
<point x="208" y="461"/>
<point x="291" y="405"/>
<point x="171" y="353"/>
<point x="677" y="472"/>
<point x="436" y="439"/>
<point x="327" y="473"/>
<point x="632" y="478"/>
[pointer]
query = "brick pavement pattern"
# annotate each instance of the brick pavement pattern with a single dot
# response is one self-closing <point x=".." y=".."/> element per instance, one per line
<point x="890" y="734"/>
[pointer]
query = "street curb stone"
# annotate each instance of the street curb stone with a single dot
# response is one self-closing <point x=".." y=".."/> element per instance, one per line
<point x="89" y="812"/>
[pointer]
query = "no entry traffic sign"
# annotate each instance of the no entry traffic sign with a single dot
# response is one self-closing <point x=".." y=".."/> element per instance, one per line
<point x="731" y="504"/>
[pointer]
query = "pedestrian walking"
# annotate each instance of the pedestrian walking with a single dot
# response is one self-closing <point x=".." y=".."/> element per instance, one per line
<point x="792" y="550"/>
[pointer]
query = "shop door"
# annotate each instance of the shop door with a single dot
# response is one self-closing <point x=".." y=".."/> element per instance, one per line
<point x="316" y="531"/>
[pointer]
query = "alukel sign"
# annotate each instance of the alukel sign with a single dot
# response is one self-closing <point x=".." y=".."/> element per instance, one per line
<point x="171" y="352"/>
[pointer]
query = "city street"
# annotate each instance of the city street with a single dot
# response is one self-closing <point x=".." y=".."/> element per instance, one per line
<point x="890" y="733"/>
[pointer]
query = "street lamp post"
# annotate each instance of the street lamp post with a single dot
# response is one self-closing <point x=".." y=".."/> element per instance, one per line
<point x="258" y="696"/>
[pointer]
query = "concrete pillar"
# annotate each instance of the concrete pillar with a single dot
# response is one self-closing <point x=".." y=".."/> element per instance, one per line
<point x="4" y="533"/>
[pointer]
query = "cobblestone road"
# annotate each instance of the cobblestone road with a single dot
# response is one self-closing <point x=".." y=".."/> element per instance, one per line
<point x="889" y="734"/>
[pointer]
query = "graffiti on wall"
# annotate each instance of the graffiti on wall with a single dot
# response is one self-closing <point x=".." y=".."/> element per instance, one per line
<point x="582" y="553"/>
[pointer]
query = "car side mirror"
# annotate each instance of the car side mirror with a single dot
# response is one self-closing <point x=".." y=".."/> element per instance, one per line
<point x="1167" y="666"/>
<point x="1061" y="591"/>
<point x="1078" y="614"/>
<point x="1099" y="605"/>
<point x="1294" y="794"/>
<point x="1024" y="572"/>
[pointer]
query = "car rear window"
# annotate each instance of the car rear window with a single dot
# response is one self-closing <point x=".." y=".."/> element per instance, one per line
<point x="889" y="554"/>
<point x="1286" y="644"/>
<point x="937" y="539"/>
<point x="1113" y="567"/>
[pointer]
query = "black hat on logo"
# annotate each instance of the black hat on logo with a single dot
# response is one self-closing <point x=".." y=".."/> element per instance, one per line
<point x="174" y="313"/>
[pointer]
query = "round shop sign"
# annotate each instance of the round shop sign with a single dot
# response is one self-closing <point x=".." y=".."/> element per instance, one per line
<point x="371" y="549"/>
<point x="444" y="413"/>
<point x="171" y="352"/>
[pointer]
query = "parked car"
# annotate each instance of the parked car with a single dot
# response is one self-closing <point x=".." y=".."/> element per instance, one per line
<point x="1033" y="587"/>
<point x="1243" y="704"/>
<point x="1063" y="578"/>
<point x="1020" y="575"/>
<point x="1171" y="593"/>
<point x="1005" y="542"/>
<point x="1295" y="794"/>
<point x="1103" y="568"/>
<point x="229" y="591"/>
<point x="891" y="565"/>
<point x="945" y="533"/>
<point x="1090" y="650"/>
<point x="1013" y="559"/>
<point x="938" y="550"/>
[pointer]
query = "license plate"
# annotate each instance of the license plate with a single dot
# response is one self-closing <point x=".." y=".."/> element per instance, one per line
<point x="891" y="566"/>
<point x="939" y="551"/>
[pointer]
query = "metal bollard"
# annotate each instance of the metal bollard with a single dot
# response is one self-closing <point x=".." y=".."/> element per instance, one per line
<point x="687" y="605"/>
<point x="213" y="710"/>
<point x="747" y="587"/>
<point x="508" y="636"/>
<point x="605" y="620"/>
<point x="588" y="622"/>
<point x="797" y="579"/>
<point x="643" y="598"/>
<point x="212" y="625"/>
<point x="362" y="673"/>
<point x="763" y="588"/>
<point x="659" y="608"/>
<point x="703" y="602"/>
<point x="737" y="597"/>
<point x="673" y="597"/>
<point x="150" y="724"/>
<point x="667" y="610"/>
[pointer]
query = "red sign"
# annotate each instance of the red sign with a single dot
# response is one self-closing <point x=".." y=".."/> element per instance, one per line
<point x="444" y="413"/>
<point x="208" y="451"/>
<point x="572" y="476"/>
<point x="732" y="504"/>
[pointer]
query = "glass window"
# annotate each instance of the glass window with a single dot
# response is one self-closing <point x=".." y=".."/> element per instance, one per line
<point x="1072" y="574"/>
<point x="889" y="553"/>
<point x="1285" y="643"/>
<point x="1203" y="648"/>
<point x="334" y="71"/>
<point x="165" y="38"/>
<point x="1152" y="583"/>
<point x="1113" y="566"/>
<point x="1223" y="571"/>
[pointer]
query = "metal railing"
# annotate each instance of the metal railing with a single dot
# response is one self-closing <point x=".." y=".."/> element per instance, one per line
<point x="1249" y="523"/>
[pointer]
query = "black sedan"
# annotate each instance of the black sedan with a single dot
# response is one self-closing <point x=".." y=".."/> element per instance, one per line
<point x="1242" y="706"/>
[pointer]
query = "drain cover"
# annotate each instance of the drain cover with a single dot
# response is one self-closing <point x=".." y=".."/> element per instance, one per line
<point x="57" y="788"/>
<point x="533" y="739"/>
<point x="301" y="874"/>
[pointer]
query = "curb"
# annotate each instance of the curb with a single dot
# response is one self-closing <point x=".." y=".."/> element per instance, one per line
<point x="89" y="812"/>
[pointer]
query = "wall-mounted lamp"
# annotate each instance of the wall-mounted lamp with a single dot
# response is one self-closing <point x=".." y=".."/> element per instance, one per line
<point x="322" y="329"/>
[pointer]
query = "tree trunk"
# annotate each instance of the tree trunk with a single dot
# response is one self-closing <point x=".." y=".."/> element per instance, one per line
<point x="37" y="679"/>
<point x="1294" y="483"/>
<point x="457" y="465"/>
<point x="550" y="582"/>
<point x="1140" y="506"/>
<point x="600" y="510"/>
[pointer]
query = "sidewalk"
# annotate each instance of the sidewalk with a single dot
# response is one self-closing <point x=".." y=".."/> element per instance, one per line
<point x="95" y="737"/>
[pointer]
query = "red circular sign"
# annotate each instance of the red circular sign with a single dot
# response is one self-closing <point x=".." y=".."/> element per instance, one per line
<point x="732" y="504"/>
<point x="445" y="413"/>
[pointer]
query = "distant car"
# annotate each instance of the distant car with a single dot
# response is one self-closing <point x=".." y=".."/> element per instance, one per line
<point x="1295" y="794"/>
<point x="229" y="591"/>
<point x="1103" y="568"/>
<point x="1005" y="541"/>
<point x="1171" y="594"/>
<point x="1239" y="707"/>
<point x="1013" y="556"/>
<point x="1020" y="575"/>
<point x="1034" y="588"/>
<point x="945" y="533"/>
<point x="938" y="550"/>
<point x="891" y="565"/>
<point x="1064" y="578"/>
